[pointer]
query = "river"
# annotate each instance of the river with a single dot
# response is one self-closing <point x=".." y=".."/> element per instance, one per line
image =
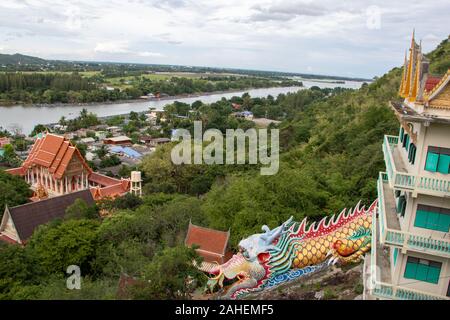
<point x="26" y="117"/>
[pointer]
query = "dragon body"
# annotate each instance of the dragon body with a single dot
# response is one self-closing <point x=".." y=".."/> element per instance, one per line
<point x="293" y="250"/>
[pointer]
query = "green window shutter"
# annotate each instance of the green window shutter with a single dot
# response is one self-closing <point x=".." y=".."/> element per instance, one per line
<point x="407" y="142"/>
<point x="433" y="220"/>
<point x="401" y="203"/>
<point x="432" y="161"/>
<point x="433" y="274"/>
<point x="444" y="222"/>
<point x="410" y="270"/>
<point x="403" y="209"/>
<point x="444" y="163"/>
<point x="402" y="132"/>
<point x="421" y="219"/>
<point x="422" y="272"/>
<point x="395" y="255"/>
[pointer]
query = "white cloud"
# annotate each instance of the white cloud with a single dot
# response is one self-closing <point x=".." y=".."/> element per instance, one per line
<point x="329" y="36"/>
<point x="112" y="47"/>
<point x="150" y="54"/>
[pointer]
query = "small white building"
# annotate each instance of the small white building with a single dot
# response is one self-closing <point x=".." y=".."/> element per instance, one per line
<point x="88" y="140"/>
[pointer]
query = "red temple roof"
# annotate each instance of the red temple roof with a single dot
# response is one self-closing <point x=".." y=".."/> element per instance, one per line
<point x="7" y="239"/>
<point x="16" y="171"/>
<point x="112" y="191"/>
<point x="103" y="180"/>
<point x="213" y="243"/>
<point x="53" y="152"/>
<point x="431" y="83"/>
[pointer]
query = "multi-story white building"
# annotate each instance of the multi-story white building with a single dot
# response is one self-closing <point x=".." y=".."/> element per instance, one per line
<point x="410" y="256"/>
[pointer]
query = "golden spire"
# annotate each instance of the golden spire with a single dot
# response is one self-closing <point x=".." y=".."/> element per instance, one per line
<point x="411" y="66"/>
<point x="402" y="83"/>
<point x="416" y="80"/>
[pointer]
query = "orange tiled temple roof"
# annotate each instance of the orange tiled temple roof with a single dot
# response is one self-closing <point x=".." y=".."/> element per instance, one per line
<point x="53" y="152"/>
<point x="213" y="243"/>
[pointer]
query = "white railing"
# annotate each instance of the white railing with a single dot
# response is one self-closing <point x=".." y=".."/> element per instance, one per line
<point x="404" y="239"/>
<point x="405" y="181"/>
<point x="387" y="290"/>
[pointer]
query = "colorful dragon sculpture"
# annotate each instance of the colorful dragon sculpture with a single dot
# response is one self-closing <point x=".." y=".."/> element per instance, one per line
<point x="293" y="250"/>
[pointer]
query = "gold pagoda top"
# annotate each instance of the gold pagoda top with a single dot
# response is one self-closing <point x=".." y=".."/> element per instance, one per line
<point x="418" y="87"/>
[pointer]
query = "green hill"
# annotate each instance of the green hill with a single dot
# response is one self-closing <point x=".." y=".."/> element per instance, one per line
<point x="330" y="159"/>
<point x="17" y="58"/>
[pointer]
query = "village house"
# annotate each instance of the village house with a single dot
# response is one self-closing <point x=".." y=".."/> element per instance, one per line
<point x="4" y="141"/>
<point x="87" y="140"/>
<point x="114" y="129"/>
<point x="157" y="141"/>
<point x="145" y="139"/>
<point x="81" y="133"/>
<point x="236" y="106"/>
<point x="120" y="140"/>
<point x="100" y="135"/>
<point x="248" y="115"/>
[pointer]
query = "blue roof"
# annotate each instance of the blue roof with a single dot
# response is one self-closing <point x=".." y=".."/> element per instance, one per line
<point x="126" y="150"/>
<point x="131" y="152"/>
<point x="116" y="149"/>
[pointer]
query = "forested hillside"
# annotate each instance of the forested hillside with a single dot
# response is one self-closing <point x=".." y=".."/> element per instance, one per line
<point x="20" y="59"/>
<point x="330" y="159"/>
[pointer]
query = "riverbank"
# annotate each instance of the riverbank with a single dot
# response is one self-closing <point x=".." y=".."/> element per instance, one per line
<point x="94" y="103"/>
<point x="26" y="117"/>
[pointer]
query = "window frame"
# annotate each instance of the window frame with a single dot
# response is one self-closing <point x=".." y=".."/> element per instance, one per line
<point x="438" y="152"/>
<point x="437" y="214"/>
<point x="415" y="265"/>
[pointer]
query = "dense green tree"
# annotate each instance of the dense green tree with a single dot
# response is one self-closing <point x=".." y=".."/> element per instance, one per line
<point x="38" y="129"/>
<point x="13" y="191"/>
<point x="81" y="210"/>
<point x="180" y="278"/>
<point x="61" y="244"/>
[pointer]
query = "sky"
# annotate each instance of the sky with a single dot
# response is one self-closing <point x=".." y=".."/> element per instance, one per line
<point x="346" y="38"/>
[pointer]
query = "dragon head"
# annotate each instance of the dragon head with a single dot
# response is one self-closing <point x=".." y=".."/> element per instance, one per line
<point x="250" y="267"/>
<point x="266" y="259"/>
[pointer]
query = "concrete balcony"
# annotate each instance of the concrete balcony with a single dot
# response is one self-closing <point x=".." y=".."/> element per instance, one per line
<point x="400" y="179"/>
<point x="377" y="274"/>
<point x="391" y="233"/>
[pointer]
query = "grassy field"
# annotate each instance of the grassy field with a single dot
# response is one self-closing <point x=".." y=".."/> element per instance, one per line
<point x="127" y="81"/>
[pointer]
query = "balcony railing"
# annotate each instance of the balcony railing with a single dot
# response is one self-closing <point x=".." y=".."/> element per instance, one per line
<point x="410" y="182"/>
<point x="386" y="290"/>
<point x="403" y="239"/>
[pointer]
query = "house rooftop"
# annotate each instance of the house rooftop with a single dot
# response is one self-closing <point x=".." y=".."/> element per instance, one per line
<point x="27" y="217"/>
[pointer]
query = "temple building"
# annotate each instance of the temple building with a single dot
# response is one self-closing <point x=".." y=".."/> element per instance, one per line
<point x="410" y="255"/>
<point x="58" y="174"/>
<point x="213" y="245"/>
<point x="19" y="223"/>
<point x="55" y="167"/>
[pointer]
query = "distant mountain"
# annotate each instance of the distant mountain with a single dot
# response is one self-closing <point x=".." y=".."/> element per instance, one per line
<point x="11" y="59"/>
